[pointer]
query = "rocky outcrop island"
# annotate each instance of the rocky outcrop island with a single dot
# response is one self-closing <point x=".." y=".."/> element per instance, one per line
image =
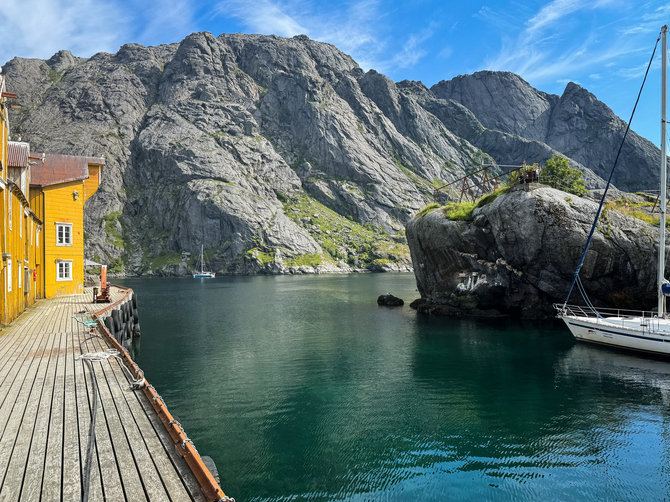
<point x="515" y="254"/>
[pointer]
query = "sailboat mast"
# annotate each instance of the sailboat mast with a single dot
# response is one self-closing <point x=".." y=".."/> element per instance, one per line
<point x="663" y="194"/>
<point x="202" y="256"/>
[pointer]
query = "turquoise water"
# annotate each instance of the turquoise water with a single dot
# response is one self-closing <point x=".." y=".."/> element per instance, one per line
<point x="302" y="388"/>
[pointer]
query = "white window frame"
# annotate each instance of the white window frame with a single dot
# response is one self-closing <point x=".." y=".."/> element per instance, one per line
<point x="64" y="225"/>
<point x="68" y="268"/>
<point x="9" y="274"/>
<point x="11" y="196"/>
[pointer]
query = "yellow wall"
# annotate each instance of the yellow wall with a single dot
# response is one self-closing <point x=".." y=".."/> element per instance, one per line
<point x="93" y="182"/>
<point x="21" y="256"/>
<point x="60" y="206"/>
<point x="37" y="206"/>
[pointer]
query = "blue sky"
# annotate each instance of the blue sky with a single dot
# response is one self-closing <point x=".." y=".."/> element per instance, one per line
<point x="603" y="45"/>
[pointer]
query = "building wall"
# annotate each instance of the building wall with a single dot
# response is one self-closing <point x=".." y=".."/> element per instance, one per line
<point x="30" y="251"/>
<point x="93" y="182"/>
<point x="37" y="206"/>
<point x="60" y="206"/>
<point x="19" y="283"/>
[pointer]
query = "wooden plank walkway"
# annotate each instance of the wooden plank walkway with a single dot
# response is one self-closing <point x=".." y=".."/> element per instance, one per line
<point x="46" y="405"/>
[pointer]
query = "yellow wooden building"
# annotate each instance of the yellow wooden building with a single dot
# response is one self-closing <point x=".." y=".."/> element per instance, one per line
<point x="41" y="219"/>
<point x="19" y="225"/>
<point x="60" y="185"/>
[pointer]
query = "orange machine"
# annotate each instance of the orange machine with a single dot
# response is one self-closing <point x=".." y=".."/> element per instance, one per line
<point x="104" y="296"/>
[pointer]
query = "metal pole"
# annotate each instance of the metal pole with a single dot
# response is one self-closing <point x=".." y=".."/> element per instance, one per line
<point x="663" y="195"/>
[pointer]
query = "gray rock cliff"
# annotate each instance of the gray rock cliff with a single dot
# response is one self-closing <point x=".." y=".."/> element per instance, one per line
<point x="282" y="155"/>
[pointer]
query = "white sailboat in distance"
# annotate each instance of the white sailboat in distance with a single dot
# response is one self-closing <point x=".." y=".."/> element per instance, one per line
<point x="203" y="274"/>
<point x="640" y="331"/>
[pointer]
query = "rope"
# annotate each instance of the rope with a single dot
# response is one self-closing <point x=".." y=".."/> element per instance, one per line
<point x="609" y="180"/>
<point x="91" y="432"/>
<point x="136" y="383"/>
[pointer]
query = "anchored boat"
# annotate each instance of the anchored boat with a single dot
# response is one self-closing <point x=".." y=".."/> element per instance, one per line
<point x="203" y="274"/>
<point x="641" y="331"/>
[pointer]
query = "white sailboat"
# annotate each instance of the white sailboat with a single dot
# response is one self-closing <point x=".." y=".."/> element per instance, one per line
<point x="641" y="331"/>
<point x="203" y="274"/>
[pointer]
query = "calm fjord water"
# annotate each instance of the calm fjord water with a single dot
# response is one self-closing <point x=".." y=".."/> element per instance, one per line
<point x="302" y="388"/>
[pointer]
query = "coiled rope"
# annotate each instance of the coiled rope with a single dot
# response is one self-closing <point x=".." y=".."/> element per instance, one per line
<point x="575" y="279"/>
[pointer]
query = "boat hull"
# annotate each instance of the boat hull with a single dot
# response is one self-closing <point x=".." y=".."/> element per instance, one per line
<point x="648" y="336"/>
<point x="204" y="275"/>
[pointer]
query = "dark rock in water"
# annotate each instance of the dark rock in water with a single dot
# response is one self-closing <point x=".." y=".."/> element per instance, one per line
<point x="418" y="304"/>
<point x="390" y="301"/>
<point x="518" y="253"/>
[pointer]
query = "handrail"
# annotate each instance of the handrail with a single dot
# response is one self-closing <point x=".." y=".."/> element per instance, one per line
<point x="208" y="484"/>
<point x="584" y="311"/>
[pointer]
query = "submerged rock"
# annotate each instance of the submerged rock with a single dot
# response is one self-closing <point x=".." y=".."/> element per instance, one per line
<point x="390" y="301"/>
<point x="518" y="253"/>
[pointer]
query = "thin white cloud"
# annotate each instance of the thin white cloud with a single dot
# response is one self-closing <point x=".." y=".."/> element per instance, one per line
<point x="551" y="13"/>
<point x="39" y="28"/>
<point x="356" y="28"/>
<point x="412" y="51"/>
<point x="163" y="21"/>
<point x="551" y="47"/>
<point x="446" y="52"/>
<point x="264" y="16"/>
<point x="85" y="27"/>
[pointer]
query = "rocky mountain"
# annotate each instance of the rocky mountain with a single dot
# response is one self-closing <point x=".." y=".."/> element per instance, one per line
<point x="517" y="254"/>
<point x="283" y="155"/>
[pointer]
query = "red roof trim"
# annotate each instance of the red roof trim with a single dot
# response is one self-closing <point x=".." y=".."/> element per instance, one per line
<point x="52" y="169"/>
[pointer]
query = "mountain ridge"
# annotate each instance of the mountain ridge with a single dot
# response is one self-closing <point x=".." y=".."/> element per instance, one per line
<point x="282" y="155"/>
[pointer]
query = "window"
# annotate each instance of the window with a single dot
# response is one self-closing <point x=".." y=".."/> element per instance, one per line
<point x="64" y="271"/>
<point x="63" y="234"/>
<point x="9" y="274"/>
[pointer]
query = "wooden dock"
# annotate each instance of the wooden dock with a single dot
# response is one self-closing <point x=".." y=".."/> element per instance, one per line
<point x="46" y="402"/>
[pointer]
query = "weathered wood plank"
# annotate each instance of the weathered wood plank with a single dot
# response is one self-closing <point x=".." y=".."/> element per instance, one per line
<point x="32" y="480"/>
<point x="71" y="460"/>
<point x="106" y="457"/>
<point x="130" y="477"/>
<point x="45" y="411"/>
<point x="151" y="479"/>
<point x="26" y="432"/>
<point x="29" y="362"/>
<point x="51" y="478"/>
<point x="18" y="403"/>
<point x="181" y="467"/>
<point x="24" y="342"/>
<point x="168" y="471"/>
<point x="84" y="419"/>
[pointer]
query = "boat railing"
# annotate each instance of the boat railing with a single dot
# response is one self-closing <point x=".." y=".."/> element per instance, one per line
<point x="648" y="318"/>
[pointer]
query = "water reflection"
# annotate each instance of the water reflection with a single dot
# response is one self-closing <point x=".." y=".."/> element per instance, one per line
<point x="302" y="388"/>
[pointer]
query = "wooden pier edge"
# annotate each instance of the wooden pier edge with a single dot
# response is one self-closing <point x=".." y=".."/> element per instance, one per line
<point x="183" y="444"/>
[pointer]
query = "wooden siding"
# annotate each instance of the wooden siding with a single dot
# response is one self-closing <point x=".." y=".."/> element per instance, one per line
<point x="60" y="206"/>
<point x="21" y="258"/>
<point x="93" y="182"/>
